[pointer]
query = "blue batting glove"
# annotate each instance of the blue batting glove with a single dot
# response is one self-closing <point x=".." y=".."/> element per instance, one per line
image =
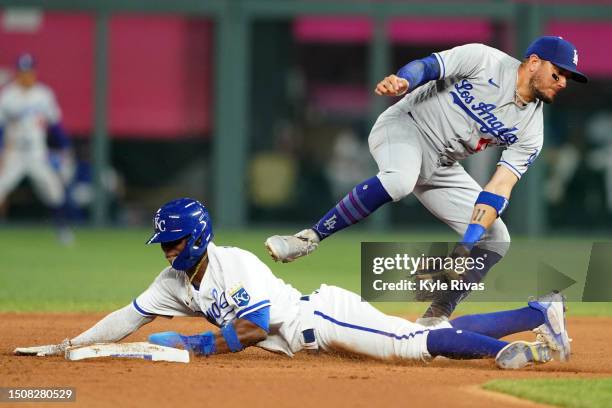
<point x="169" y="339"/>
<point x="200" y="343"/>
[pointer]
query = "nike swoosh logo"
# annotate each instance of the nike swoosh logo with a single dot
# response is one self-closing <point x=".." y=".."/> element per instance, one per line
<point x="493" y="83"/>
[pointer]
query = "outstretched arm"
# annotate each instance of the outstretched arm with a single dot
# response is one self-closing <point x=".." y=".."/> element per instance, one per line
<point x="114" y="327"/>
<point x="234" y="336"/>
<point x="247" y="334"/>
<point x="410" y="77"/>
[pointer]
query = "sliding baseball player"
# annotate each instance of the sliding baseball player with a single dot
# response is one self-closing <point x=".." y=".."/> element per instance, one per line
<point x="238" y="293"/>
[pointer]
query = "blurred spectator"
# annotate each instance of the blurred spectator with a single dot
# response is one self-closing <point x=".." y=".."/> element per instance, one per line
<point x="349" y="163"/>
<point x="562" y="170"/>
<point x="80" y="191"/>
<point x="599" y="158"/>
<point x="273" y="175"/>
<point x="28" y="113"/>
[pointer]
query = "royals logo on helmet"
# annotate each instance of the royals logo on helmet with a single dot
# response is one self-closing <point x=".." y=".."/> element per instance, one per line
<point x="160" y="225"/>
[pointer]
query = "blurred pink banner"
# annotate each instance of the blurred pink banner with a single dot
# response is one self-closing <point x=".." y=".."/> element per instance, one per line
<point x="400" y="30"/>
<point x="592" y="41"/>
<point x="63" y="48"/>
<point x="160" y="71"/>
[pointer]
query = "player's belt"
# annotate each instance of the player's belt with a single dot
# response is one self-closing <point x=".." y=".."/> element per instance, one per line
<point x="305" y="298"/>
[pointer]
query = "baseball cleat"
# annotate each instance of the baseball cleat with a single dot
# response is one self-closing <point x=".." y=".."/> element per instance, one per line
<point x="287" y="248"/>
<point x="431" y="321"/>
<point x="554" y="330"/>
<point x="518" y="354"/>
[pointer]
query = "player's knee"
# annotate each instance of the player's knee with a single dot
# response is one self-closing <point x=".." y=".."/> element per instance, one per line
<point x="397" y="183"/>
<point x="54" y="199"/>
<point x="497" y="238"/>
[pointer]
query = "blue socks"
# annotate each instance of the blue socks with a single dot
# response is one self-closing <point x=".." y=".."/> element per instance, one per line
<point x="462" y="344"/>
<point x="475" y="336"/>
<point x="363" y="200"/>
<point x="500" y="324"/>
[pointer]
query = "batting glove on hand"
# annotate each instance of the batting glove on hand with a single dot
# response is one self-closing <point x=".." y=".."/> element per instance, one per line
<point x="43" y="351"/>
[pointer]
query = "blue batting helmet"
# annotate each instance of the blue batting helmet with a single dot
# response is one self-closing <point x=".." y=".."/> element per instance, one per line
<point x="25" y="62"/>
<point x="182" y="218"/>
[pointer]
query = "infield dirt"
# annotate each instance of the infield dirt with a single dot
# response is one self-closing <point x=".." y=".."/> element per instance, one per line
<point x="256" y="378"/>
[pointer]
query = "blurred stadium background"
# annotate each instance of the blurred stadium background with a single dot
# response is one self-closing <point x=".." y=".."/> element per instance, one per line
<point x="262" y="108"/>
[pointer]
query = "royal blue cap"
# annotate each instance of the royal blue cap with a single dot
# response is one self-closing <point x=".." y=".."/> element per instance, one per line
<point x="558" y="51"/>
<point x="25" y="62"/>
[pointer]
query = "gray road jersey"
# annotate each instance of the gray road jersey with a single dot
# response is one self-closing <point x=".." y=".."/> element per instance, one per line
<point x="472" y="106"/>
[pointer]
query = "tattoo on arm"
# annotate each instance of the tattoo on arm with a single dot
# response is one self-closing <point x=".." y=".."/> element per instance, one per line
<point x="478" y="214"/>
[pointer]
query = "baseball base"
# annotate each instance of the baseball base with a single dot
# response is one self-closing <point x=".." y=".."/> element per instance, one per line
<point x="142" y="350"/>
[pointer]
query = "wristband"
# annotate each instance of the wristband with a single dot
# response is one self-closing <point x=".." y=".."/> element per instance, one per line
<point x="231" y="337"/>
<point x="493" y="200"/>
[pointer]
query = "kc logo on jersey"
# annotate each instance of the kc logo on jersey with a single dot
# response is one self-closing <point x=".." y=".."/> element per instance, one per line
<point x="241" y="297"/>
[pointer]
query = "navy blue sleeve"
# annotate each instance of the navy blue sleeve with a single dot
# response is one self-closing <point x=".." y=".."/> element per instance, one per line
<point x="58" y="136"/>
<point x="420" y="71"/>
<point x="1" y="136"/>
<point x="260" y="317"/>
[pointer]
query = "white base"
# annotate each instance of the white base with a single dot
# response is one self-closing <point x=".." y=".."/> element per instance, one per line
<point x="142" y="350"/>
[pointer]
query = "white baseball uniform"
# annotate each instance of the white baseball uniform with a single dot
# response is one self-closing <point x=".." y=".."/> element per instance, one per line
<point x="418" y="141"/>
<point x="25" y="115"/>
<point x="236" y="283"/>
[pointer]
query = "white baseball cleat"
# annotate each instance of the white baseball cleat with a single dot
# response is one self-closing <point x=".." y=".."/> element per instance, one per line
<point x="518" y="354"/>
<point x="554" y="330"/>
<point x="287" y="248"/>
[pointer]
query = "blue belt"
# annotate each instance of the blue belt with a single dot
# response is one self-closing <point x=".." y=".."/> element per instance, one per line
<point x="305" y="298"/>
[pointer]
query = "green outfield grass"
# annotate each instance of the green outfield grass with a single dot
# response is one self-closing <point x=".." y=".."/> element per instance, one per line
<point x="570" y="393"/>
<point x="106" y="269"/>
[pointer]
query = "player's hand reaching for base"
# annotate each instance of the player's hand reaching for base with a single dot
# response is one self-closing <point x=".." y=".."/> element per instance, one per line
<point x="392" y="86"/>
<point x="43" y="351"/>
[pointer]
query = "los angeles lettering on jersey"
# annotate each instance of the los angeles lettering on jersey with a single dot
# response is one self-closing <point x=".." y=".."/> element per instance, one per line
<point x="482" y="114"/>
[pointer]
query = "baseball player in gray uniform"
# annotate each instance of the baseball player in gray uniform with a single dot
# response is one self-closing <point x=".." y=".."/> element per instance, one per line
<point x="458" y="102"/>
<point x="238" y="293"/>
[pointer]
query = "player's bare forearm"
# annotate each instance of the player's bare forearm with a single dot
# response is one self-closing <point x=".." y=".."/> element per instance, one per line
<point x="502" y="183"/>
<point x="248" y="333"/>
<point x="484" y="215"/>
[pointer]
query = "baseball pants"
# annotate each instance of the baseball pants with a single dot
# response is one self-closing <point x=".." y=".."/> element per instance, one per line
<point x="344" y="323"/>
<point x="407" y="164"/>
<point x="46" y="182"/>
